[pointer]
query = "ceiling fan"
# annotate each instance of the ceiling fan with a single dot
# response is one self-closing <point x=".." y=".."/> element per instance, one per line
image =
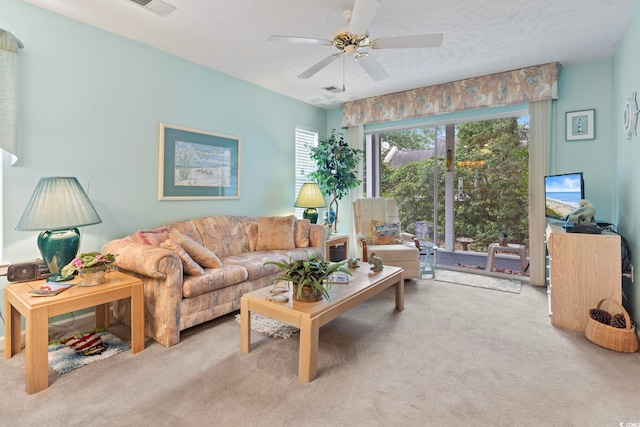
<point x="355" y="37"/>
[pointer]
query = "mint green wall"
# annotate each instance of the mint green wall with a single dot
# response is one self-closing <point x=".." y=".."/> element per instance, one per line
<point x="585" y="87"/>
<point x="90" y="104"/>
<point x="626" y="80"/>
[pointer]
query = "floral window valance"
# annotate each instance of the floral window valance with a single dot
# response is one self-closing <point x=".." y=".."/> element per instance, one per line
<point x="525" y="85"/>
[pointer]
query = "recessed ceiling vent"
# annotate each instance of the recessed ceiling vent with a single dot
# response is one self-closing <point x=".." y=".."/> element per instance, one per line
<point x="332" y="89"/>
<point x="156" y="6"/>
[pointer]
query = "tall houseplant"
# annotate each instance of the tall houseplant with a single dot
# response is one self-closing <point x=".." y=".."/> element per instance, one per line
<point x="336" y="169"/>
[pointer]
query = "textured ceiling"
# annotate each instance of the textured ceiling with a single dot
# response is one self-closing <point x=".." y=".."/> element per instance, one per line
<point x="480" y="37"/>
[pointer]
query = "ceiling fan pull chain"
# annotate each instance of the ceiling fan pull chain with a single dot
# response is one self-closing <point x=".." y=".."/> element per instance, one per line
<point x="343" y="86"/>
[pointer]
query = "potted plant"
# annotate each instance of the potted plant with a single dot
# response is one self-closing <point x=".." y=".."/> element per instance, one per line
<point x="336" y="172"/>
<point x="308" y="277"/>
<point x="92" y="266"/>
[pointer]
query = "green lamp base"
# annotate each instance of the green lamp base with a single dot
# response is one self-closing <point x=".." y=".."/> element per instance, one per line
<point x="58" y="248"/>
<point x="311" y="214"/>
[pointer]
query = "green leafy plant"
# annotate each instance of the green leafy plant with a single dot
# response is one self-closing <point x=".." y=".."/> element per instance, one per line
<point x="311" y="272"/>
<point x="336" y="169"/>
<point x="87" y="260"/>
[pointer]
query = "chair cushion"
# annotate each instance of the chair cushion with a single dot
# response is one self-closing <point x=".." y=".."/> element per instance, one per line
<point x="385" y="233"/>
<point x="275" y="232"/>
<point x="395" y="253"/>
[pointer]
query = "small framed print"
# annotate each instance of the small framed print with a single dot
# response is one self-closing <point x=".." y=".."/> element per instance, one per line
<point x="581" y="125"/>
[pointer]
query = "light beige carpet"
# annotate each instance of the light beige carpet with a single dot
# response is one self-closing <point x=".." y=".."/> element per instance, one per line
<point x="456" y="356"/>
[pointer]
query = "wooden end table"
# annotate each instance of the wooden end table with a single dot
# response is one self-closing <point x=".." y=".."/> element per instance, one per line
<point x="38" y="309"/>
<point x="336" y="239"/>
<point x="309" y="317"/>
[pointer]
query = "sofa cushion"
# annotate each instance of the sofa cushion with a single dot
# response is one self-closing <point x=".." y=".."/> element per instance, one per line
<point x="189" y="266"/>
<point x="275" y="232"/>
<point x="213" y="279"/>
<point x="199" y="253"/>
<point x="251" y="229"/>
<point x="224" y="235"/>
<point x="253" y="262"/>
<point x="301" y="233"/>
<point x="385" y="233"/>
<point x="153" y="236"/>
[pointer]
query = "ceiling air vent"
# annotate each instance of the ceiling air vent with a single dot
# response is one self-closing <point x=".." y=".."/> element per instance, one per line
<point x="332" y="89"/>
<point x="156" y="6"/>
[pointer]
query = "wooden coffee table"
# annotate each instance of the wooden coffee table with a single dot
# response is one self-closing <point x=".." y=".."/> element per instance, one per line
<point x="37" y="310"/>
<point x="310" y="316"/>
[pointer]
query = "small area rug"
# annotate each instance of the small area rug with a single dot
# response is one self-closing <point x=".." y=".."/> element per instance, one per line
<point x="497" y="270"/>
<point x="271" y="327"/>
<point x="478" y="281"/>
<point x="70" y="353"/>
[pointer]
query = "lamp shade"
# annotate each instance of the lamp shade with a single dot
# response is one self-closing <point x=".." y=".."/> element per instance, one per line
<point x="58" y="203"/>
<point x="310" y="196"/>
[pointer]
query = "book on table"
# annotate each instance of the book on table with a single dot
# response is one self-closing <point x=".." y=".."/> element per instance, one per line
<point x="339" y="277"/>
<point x="50" y="289"/>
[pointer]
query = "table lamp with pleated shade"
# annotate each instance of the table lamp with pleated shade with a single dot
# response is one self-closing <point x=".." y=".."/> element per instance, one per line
<point x="58" y="206"/>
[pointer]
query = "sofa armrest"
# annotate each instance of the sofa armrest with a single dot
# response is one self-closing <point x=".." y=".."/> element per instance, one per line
<point x="410" y="238"/>
<point x="140" y="258"/>
<point x="161" y="273"/>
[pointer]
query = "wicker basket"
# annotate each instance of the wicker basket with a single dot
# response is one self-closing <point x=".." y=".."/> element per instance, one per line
<point x="610" y="337"/>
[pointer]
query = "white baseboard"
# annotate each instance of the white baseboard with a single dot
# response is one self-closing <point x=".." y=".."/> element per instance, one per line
<point x="79" y="323"/>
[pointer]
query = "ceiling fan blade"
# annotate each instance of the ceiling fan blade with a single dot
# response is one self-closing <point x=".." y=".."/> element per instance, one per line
<point x="302" y="40"/>
<point x="362" y="16"/>
<point x="319" y="66"/>
<point x="421" y="40"/>
<point x="372" y="67"/>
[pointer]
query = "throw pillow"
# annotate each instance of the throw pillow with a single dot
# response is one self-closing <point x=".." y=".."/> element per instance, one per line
<point x="302" y="233"/>
<point x="199" y="253"/>
<point x="189" y="266"/>
<point x="275" y="232"/>
<point x="153" y="236"/>
<point x="385" y="233"/>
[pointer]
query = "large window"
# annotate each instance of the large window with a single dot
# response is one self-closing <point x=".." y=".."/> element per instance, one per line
<point x="468" y="181"/>
<point x="305" y="139"/>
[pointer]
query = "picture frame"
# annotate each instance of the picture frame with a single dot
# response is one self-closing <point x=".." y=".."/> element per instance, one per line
<point x="197" y="165"/>
<point x="580" y="125"/>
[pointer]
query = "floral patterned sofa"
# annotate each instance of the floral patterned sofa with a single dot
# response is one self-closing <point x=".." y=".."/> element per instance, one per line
<point x="196" y="270"/>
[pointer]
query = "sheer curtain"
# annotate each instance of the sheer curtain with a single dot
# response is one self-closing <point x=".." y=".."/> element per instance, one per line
<point x="9" y="46"/>
<point x="539" y="140"/>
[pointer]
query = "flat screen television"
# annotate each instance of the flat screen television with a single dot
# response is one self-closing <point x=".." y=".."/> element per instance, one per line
<point x="562" y="194"/>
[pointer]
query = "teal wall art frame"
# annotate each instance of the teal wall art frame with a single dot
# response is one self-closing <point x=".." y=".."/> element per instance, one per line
<point x="197" y="165"/>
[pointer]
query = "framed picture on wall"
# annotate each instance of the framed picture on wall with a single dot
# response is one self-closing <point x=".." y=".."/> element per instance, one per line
<point x="581" y="125"/>
<point x="197" y="165"/>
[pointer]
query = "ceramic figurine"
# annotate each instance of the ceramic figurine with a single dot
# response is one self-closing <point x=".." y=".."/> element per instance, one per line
<point x="376" y="263"/>
<point x="353" y="262"/>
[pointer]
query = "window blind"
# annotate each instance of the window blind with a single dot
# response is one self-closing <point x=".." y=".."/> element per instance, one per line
<point x="305" y="139"/>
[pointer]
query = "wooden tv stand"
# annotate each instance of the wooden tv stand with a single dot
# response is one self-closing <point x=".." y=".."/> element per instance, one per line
<point x="583" y="269"/>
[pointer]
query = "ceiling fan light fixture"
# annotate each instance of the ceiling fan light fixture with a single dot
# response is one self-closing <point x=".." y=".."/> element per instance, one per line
<point x="348" y="40"/>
